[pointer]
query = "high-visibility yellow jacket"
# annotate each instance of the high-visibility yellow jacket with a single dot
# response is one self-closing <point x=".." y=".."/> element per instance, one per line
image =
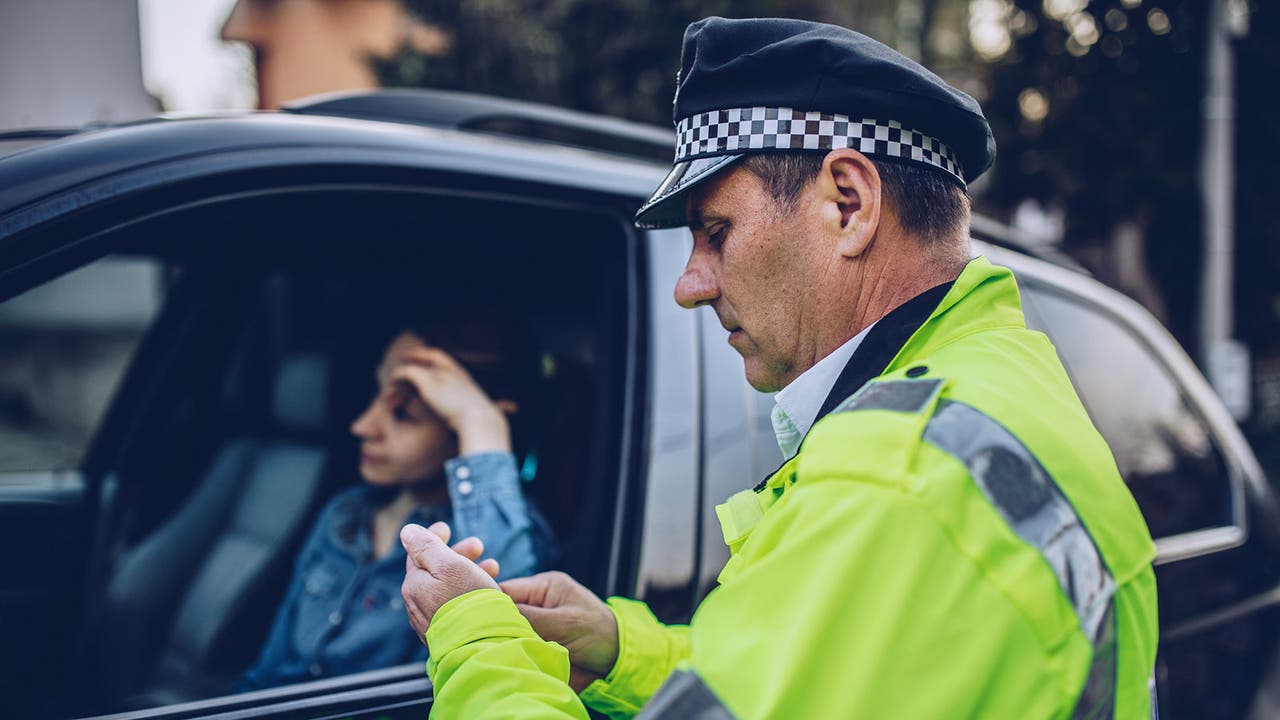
<point x="954" y="540"/>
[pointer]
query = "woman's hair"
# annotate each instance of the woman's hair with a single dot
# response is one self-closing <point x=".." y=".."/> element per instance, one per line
<point x="497" y="351"/>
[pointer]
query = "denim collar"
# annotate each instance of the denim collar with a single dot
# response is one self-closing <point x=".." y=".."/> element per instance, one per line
<point x="352" y="526"/>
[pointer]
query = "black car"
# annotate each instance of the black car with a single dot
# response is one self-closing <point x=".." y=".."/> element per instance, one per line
<point x="186" y="330"/>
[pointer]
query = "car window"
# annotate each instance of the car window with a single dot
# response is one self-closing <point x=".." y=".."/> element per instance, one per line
<point x="64" y="346"/>
<point x="234" y="430"/>
<point x="1163" y="448"/>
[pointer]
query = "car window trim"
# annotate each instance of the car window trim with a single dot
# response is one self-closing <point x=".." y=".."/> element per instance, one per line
<point x="346" y="694"/>
<point x="1201" y="541"/>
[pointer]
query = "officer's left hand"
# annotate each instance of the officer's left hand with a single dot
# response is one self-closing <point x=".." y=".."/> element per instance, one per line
<point x="435" y="573"/>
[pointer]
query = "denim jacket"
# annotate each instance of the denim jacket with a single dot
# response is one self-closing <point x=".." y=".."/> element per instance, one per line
<point x="343" y="612"/>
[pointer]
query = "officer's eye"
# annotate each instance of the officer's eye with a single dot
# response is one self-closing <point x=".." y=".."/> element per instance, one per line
<point x="716" y="237"/>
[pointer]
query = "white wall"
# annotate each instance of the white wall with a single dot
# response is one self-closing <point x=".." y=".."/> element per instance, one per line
<point x="68" y="62"/>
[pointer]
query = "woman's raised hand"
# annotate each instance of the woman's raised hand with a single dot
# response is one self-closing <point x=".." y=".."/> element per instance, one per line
<point x="453" y="394"/>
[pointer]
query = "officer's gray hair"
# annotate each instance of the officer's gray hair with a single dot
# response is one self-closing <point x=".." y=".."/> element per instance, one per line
<point x="927" y="204"/>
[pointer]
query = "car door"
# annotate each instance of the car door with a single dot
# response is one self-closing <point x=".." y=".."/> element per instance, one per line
<point x="179" y="223"/>
<point x="62" y="355"/>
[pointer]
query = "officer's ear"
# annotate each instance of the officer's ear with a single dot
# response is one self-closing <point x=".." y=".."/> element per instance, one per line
<point x="850" y="185"/>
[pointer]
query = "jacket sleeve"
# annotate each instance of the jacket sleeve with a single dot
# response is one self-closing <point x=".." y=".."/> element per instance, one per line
<point x="648" y="652"/>
<point x="486" y="661"/>
<point x="851" y="600"/>
<point x="484" y="491"/>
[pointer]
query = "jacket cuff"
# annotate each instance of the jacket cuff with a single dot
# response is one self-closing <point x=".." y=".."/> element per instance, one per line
<point x="478" y="615"/>
<point x="474" y="477"/>
<point x="645" y="659"/>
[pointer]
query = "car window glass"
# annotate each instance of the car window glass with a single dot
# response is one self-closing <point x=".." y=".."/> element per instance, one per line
<point x="1162" y="447"/>
<point x="64" y="346"/>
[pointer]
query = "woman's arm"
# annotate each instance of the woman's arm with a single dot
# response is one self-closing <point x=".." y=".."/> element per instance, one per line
<point x="484" y="487"/>
<point x="484" y="490"/>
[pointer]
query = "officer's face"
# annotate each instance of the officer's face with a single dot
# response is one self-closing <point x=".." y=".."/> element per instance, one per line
<point x="753" y="263"/>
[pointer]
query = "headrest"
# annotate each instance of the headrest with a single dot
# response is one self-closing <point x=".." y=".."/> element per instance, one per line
<point x="300" y="398"/>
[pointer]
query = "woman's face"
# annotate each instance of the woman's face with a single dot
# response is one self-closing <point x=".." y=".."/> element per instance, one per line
<point x="402" y="441"/>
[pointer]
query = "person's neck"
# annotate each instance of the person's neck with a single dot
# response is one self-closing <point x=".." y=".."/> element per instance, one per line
<point x="887" y="275"/>
<point x="432" y="493"/>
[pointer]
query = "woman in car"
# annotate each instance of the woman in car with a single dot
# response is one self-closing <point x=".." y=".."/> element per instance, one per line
<point x="434" y="446"/>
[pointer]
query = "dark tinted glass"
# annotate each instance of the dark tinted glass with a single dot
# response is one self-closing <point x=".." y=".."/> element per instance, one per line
<point x="1162" y="447"/>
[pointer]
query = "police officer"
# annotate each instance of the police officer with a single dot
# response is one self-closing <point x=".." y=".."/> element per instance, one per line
<point x="949" y="536"/>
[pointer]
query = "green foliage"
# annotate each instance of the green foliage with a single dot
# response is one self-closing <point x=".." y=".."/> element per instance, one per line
<point x="1119" y="143"/>
<point x="1122" y="142"/>
<point x="617" y="57"/>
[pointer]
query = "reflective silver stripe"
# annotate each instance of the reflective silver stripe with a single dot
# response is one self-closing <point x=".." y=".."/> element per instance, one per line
<point x="684" y="695"/>
<point x="910" y="396"/>
<point x="1155" y="706"/>
<point x="1018" y="486"/>
<point x="1098" y="697"/>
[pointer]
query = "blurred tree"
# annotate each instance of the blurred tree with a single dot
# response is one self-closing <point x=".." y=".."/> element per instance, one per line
<point x="1096" y="106"/>
<point x="620" y="57"/>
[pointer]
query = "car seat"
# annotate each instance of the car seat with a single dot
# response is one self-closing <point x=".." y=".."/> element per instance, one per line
<point x="186" y="606"/>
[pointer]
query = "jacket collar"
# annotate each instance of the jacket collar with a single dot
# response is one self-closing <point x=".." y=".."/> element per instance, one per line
<point x="926" y="322"/>
<point x="882" y="344"/>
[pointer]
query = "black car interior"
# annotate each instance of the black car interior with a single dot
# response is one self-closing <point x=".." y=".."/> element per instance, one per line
<point x="232" y="427"/>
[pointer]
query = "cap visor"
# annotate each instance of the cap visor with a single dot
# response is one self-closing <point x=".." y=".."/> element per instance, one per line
<point x="665" y="208"/>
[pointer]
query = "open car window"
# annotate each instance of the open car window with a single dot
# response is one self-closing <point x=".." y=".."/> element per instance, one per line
<point x="234" y="431"/>
<point x="64" y="347"/>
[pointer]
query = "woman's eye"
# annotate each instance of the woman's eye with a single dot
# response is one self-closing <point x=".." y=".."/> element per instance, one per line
<point x="400" y="412"/>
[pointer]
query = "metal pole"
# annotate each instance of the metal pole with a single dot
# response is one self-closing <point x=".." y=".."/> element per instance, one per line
<point x="1225" y="358"/>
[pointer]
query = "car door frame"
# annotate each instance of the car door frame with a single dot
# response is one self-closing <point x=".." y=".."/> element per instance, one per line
<point x="39" y="241"/>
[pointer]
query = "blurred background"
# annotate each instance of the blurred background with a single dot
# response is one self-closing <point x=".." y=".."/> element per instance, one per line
<point x="1134" y="136"/>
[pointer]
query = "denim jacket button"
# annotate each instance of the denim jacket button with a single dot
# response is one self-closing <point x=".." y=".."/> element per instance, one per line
<point x="315" y="669"/>
<point x="335" y="618"/>
<point x="463" y="472"/>
<point x="464" y="487"/>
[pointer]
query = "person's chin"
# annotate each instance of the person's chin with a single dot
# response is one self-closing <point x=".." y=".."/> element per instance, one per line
<point x="376" y="475"/>
<point x="760" y="377"/>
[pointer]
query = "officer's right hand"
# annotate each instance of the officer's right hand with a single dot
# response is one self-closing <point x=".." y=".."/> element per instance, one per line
<point x="565" y="612"/>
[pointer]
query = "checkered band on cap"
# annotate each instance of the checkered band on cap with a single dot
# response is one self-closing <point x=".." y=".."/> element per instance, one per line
<point x="722" y="132"/>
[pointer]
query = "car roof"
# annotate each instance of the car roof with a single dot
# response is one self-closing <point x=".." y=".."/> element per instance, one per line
<point x="433" y="129"/>
<point x="248" y="140"/>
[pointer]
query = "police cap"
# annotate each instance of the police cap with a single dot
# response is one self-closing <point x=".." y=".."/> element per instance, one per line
<point x="770" y="85"/>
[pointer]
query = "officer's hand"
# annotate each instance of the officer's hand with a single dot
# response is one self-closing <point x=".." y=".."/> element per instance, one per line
<point x="565" y="612"/>
<point x="435" y="573"/>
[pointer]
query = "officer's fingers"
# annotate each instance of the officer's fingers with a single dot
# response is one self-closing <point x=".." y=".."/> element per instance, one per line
<point x="423" y="546"/>
<point x="547" y="623"/>
<point x="409" y="591"/>
<point x="489" y="565"/>
<point x="530" y="590"/>
<point x="442" y="530"/>
<point x="470" y="548"/>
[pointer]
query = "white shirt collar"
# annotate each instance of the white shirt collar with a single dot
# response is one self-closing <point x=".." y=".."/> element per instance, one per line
<point x="796" y="406"/>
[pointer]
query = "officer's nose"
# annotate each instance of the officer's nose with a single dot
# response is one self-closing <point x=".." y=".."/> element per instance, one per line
<point x="698" y="285"/>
